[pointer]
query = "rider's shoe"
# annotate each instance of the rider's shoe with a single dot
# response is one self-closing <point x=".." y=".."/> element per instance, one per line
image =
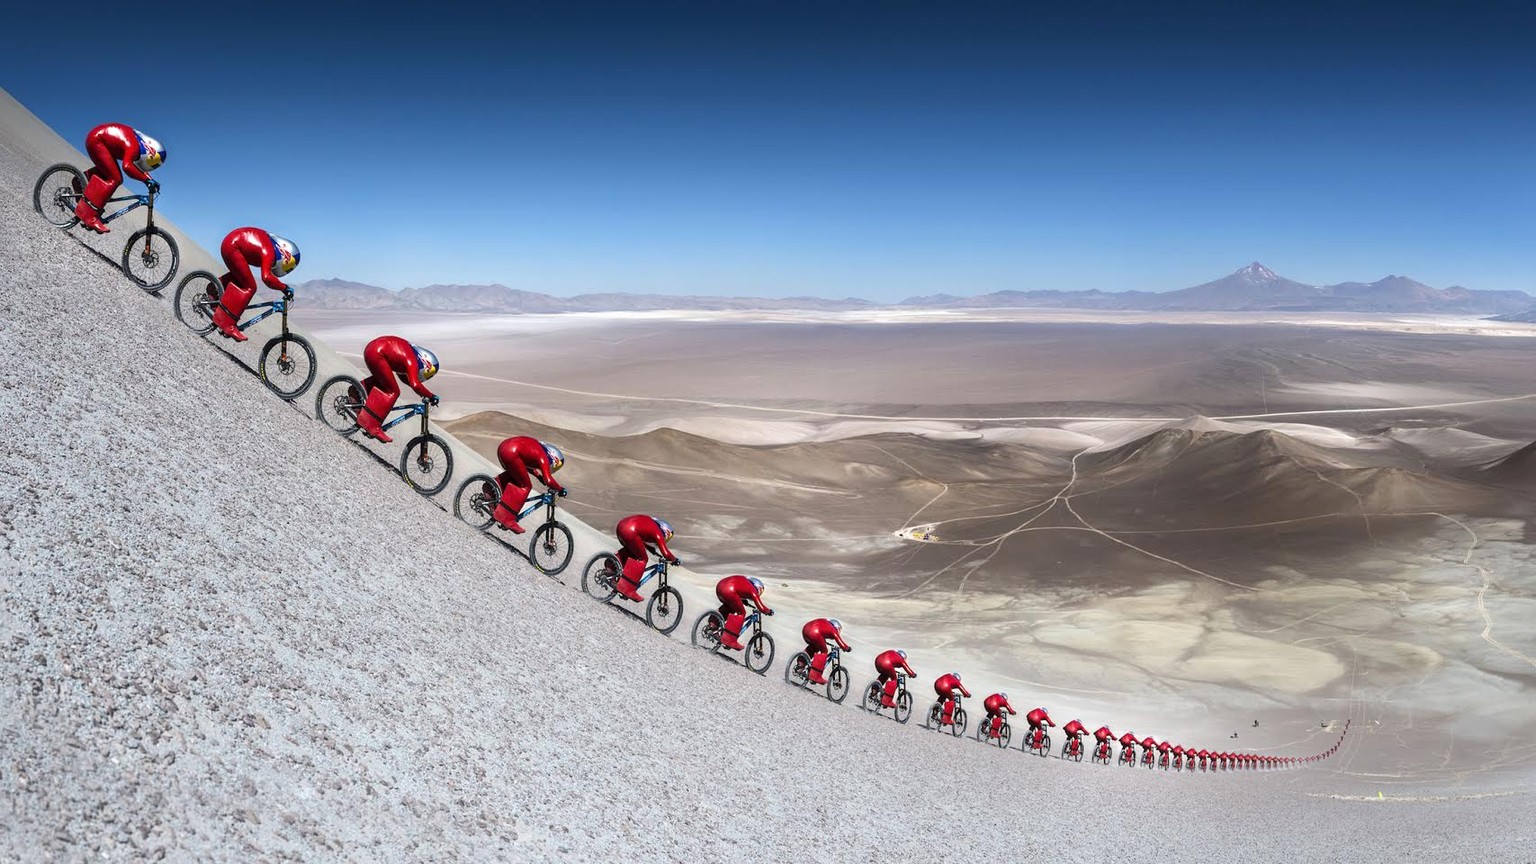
<point x="730" y="634"/>
<point x="226" y="324"/>
<point x="818" y="663"/>
<point x="507" y="520"/>
<point x="628" y="590"/>
<point x="375" y="406"/>
<point x="886" y="701"/>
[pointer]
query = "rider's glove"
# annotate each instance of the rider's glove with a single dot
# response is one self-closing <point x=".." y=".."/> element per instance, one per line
<point x="676" y="562"/>
<point x="769" y="612"/>
<point x="432" y="400"/>
<point x="561" y="493"/>
<point x="154" y="186"/>
<point x="288" y="294"/>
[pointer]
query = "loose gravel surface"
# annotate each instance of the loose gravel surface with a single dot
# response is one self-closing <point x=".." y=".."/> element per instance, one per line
<point x="227" y="634"/>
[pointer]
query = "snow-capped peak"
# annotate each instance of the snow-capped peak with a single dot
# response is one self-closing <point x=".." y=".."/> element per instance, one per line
<point x="1257" y="272"/>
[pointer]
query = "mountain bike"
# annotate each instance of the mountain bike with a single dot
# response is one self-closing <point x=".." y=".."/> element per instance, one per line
<point x="873" y="704"/>
<point x="757" y="649"/>
<point x="797" y="673"/>
<point x="1072" y="748"/>
<point x="664" y="611"/>
<point x="287" y="363"/>
<point x="550" y="547"/>
<point x="426" y="463"/>
<point x="1103" y="753"/>
<point x="1149" y="757"/>
<point x="1128" y="756"/>
<point x="1004" y="731"/>
<point x="150" y="259"/>
<point x="957" y="719"/>
<point x="1038" y="741"/>
<point x="1164" y="760"/>
<point x="1178" y="762"/>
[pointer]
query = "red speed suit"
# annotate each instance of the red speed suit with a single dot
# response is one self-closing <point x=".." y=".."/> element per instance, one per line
<point x="996" y="705"/>
<point x="520" y="456"/>
<point x="945" y="686"/>
<point x="113" y="148"/>
<point x="242" y="249"/>
<point x="635" y="534"/>
<point x="886" y="664"/>
<point x="1148" y="744"/>
<point x="734" y="592"/>
<point x="816" y="633"/>
<point x="387" y="357"/>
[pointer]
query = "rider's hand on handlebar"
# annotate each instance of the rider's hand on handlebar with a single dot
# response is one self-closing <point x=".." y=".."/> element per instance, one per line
<point x="153" y="185"/>
<point x="561" y="493"/>
<point x="288" y="294"/>
<point x="432" y="400"/>
<point x="675" y="562"/>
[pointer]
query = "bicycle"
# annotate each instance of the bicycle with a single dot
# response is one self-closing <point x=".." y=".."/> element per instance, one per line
<point x="550" y="547"/>
<point x="1004" y="731"/>
<point x="1128" y="757"/>
<point x="664" y="611"/>
<point x="1038" y="741"/>
<point x="286" y="373"/>
<point x="903" y="699"/>
<point x="957" y="717"/>
<point x="426" y="463"/>
<point x="1164" y="761"/>
<point x="62" y="186"/>
<point x="1103" y="753"/>
<point x="757" y="650"/>
<point x="797" y="673"/>
<point x="1072" y="748"/>
<point x="1149" y="757"/>
<point x="1178" y="762"/>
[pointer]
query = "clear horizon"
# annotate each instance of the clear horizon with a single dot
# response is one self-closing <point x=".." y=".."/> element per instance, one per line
<point x="880" y="151"/>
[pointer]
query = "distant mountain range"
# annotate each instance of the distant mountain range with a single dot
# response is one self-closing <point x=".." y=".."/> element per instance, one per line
<point x="1254" y="288"/>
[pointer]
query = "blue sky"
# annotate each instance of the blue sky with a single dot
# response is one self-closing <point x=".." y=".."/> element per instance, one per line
<point x="875" y="150"/>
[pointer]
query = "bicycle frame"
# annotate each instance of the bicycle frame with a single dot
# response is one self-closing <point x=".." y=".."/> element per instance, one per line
<point x="138" y="201"/>
<point x="411" y="410"/>
<point x="274" y="308"/>
<point x="537" y="501"/>
<point x="659" y="569"/>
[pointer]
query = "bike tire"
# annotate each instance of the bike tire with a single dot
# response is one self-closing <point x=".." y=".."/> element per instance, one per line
<point x="472" y="505"/>
<point x="280" y="373"/>
<point x="599" y="585"/>
<point x="935" y="716"/>
<point x="551" y="548"/>
<point x="903" y="707"/>
<point x="797" y="672"/>
<point x="706" y="631"/>
<point x="871" y="700"/>
<point x="338" y="402"/>
<point x="54" y="195"/>
<point x="427" y="464"/>
<point x="958" y="728"/>
<point x="151" y="258"/>
<point x="838" y="684"/>
<point x="1045" y="746"/>
<point x="664" y="611"/>
<point x="1004" y="736"/>
<point x="759" y="653"/>
<point x="191" y="303"/>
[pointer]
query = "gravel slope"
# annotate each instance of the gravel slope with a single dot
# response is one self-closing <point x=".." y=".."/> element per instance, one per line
<point x="229" y="635"/>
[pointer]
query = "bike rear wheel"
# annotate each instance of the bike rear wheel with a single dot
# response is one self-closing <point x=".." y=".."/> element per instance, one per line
<point x="797" y="672"/>
<point x="476" y="500"/>
<point x="600" y="578"/>
<point x="551" y="548"/>
<point x="151" y="258"/>
<point x="759" y="653"/>
<point x="338" y="402"/>
<point x="935" y="717"/>
<point x="871" y="700"/>
<point x="287" y="365"/>
<point x="427" y="464"/>
<point x="56" y="194"/>
<point x="837" y="684"/>
<point x="193" y="305"/>
<point x="706" y="631"/>
<point x="664" y="611"/>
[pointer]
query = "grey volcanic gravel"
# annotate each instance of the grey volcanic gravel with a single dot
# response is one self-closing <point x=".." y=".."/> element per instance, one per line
<point x="227" y="634"/>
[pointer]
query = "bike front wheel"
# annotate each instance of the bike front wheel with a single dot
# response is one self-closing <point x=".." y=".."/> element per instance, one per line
<point x="196" y="298"/>
<point x="475" y="502"/>
<point x="151" y="258"/>
<point x="426" y="464"/>
<point x="1004" y="735"/>
<point x="56" y="194"/>
<point x="551" y="547"/>
<point x="903" y="707"/>
<point x="706" y="631"/>
<point x="600" y="578"/>
<point x="958" y="728"/>
<point x="759" y="653"/>
<point x="838" y="684"/>
<point x="664" y="611"/>
<point x="287" y="366"/>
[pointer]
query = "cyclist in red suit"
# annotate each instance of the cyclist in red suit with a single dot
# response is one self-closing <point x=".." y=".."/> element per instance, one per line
<point x="816" y="633"/>
<point x="386" y="358"/>
<point x="242" y="249"/>
<point x="996" y="704"/>
<point x="1178" y="756"/>
<point x="522" y="458"/>
<point x="1127" y="742"/>
<point x="735" y="592"/>
<point x="1074" y="731"/>
<point x="637" y="534"/>
<point x="1166" y="750"/>
<point x="1148" y="744"/>
<point x="886" y="665"/>
<point x="945" y="686"/>
<point x="115" y="149"/>
<point x="1037" y="719"/>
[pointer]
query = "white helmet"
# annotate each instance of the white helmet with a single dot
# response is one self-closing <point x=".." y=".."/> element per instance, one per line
<point x="901" y="653"/>
<point x="428" y="361"/>
<point x="666" y="528"/>
<point x="1003" y="696"/>
<point x="287" y="255"/>
<point x="756" y="583"/>
<point x="151" y="153"/>
<point x="836" y="624"/>
<point x="556" y="458"/>
<point x="955" y="675"/>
